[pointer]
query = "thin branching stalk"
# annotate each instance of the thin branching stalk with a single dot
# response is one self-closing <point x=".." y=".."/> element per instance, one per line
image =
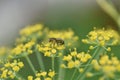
<point x="40" y="60"/>
<point x="61" y="70"/>
<point x="73" y="74"/>
<point x="53" y="63"/>
<point x="30" y="64"/>
<point x="19" y="77"/>
<point x="53" y="60"/>
<point x="95" y="55"/>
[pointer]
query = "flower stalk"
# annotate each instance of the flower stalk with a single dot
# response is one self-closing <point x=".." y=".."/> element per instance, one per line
<point x="30" y="64"/>
<point x="40" y="60"/>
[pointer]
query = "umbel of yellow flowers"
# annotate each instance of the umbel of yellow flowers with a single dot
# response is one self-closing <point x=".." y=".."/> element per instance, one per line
<point x="34" y="40"/>
<point x="102" y="37"/>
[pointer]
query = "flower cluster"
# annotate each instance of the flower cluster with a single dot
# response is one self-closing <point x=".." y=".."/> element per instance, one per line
<point x="4" y="52"/>
<point x="38" y="33"/>
<point x="32" y="32"/>
<point x="106" y="66"/>
<point x="55" y="44"/>
<point x="10" y="69"/>
<point x="22" y="49"/>
<point x="102" y="37"/>
<point x="50" y="49"/>
<point x="75" y="59"/>
<point x="43" y="75"/>
<point x="68" y="36"/>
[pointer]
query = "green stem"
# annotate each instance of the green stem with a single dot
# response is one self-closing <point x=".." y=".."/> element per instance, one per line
<point x="53" y="63"/>
<point x="30" y="64"/>
<point x="73" y="74"/>
<point x="88" y="62"/>
<point x="61" y="70"/>
<point x="110" y="10"/>
<point x="40" y="60"/>
<point x="18" y="77"/>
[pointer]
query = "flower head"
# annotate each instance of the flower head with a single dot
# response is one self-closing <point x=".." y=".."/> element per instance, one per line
<point x="107" y="66"/>
<point x="21" y="50"/>
<point x="75" y="59"/>
<point x="32" y="32"/>
<point x="102" y="37"/>
<point x="68" y="36"/>
<point x="50" y="49"/>
<point x="4" y="54"/>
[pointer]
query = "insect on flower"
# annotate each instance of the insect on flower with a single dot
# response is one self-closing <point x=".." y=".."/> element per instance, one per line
<point x="56" y="40"/>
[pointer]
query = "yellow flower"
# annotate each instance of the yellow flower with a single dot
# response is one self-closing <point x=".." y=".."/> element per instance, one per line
<point x="7" y="64"/>
<point x="16" y="68"/>
<point x="51" y="74"/>
<point x="37" y="79"/>
<point x="70" y="64"/>
<point x="74" y="53"/>
<point x="43" y="74"/>
<point x="9" y="69"/>
<point x="68" y="36"/>
<point x="53" y="51"/>
<point x="81" y="70"/>
<point x="50" y="49"/>
<point x="108" y="49"/>
<point x="63" y="66"/>
<point x="47" y="54"/>
<point x="67" y="58"/>
<point x="88" y="74"/>
<point x="108" y="66"/>
<point x="31" y="29"/>
<point x="91" y="47"/>
<point x="20" y="64"/>
<point x="30" y="77"/>
<point x="39" y="74"/>
<point x="3" y="50"/>
<point x="75" y="59"/>
<point x="48" y="78"/>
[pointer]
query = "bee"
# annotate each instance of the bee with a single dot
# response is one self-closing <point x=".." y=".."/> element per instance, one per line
<point x="57" y="41"/>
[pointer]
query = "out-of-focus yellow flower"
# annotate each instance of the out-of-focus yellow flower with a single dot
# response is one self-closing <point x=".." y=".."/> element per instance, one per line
<point x="30" y="77"/>
<point x="22" y="49"/>
<point x="4" y="54"/>
<point x="88" y="74"/>
<point x="51" y="74"/>
<point x="31" y="29"/>
<point x="107" y="66"/>
<point x="32" y="32"/>
<point x="48" y="78"/>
